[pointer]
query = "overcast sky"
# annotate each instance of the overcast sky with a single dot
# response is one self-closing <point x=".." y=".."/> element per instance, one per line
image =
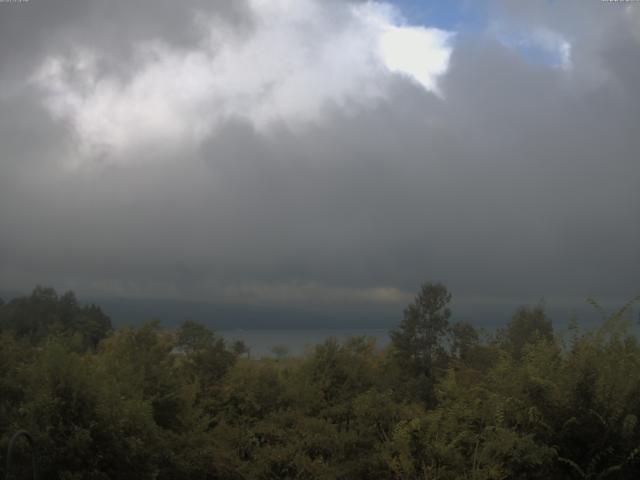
<point x="321" y="152"/>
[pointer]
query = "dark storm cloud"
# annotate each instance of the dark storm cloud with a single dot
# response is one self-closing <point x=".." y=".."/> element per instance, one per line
<point x="520" y="181"/>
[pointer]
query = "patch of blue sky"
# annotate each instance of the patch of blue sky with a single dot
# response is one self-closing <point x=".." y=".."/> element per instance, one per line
<point x="538" y="54"/>
<point x="540" y="47"/>
<point x="452" y="15"/>
<point x="472" y="16"/>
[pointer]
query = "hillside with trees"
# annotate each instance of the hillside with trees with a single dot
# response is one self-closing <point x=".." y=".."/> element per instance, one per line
<point x="442" y="401"/>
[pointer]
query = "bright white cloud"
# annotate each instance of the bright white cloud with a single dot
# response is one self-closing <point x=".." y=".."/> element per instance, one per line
<point x="417" y="52"/>
<point x="302" y="56"/>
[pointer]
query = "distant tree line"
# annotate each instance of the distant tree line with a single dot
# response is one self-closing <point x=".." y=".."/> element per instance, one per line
<point x="442" y="401"/>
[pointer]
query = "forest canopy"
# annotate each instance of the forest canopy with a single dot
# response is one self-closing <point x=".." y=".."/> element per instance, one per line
<point x="442" y="401"/>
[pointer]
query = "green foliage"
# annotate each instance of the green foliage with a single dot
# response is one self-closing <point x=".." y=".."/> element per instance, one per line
<point x="526" y="326"/>
<point x="45" y="313"/>
<point x="419" y="339"/>
<point x="149" y="403"/>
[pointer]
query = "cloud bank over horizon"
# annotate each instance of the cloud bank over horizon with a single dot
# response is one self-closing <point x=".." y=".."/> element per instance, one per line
<point x="320" y="152"/>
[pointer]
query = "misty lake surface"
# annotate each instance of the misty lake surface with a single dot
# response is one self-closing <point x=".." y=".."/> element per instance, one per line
<point x="299" y="341"/>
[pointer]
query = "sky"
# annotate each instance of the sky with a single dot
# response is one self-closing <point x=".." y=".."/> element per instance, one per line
<point x="320" y="159"/>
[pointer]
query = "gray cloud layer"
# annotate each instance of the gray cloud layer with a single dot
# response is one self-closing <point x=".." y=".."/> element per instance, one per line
<point x="521" y="180"/>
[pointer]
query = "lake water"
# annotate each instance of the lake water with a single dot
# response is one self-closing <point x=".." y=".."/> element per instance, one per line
<point x="298" y="342"/>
